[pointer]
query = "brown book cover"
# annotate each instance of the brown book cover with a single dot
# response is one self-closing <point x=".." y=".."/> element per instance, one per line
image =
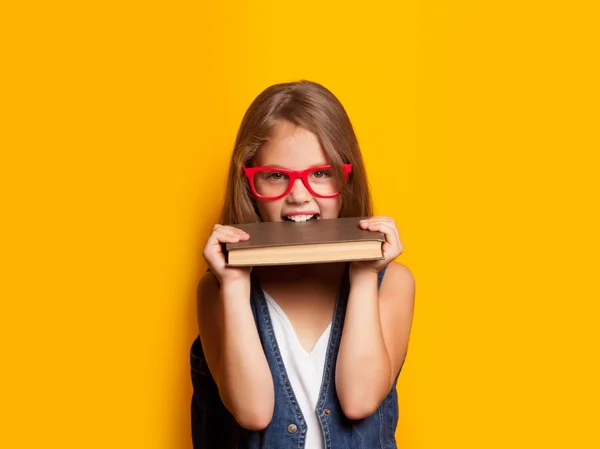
<point x="286" y="242"/>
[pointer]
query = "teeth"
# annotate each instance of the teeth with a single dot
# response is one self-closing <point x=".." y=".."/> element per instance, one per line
<point x="298" y="218"/>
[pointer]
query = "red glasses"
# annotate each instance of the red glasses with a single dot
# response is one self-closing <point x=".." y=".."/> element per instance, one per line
<point x="271" y="183"/>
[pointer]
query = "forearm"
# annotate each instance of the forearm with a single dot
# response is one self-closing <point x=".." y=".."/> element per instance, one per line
<point x="363" y="365"/>
<point x="245" y="382"/>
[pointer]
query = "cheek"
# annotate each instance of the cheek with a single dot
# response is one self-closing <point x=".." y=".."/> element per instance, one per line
<point x="269" y="210"/>
<point x="330" y="208"/>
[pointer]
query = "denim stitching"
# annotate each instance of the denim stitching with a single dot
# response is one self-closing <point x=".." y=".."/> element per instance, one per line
<point x="266" y="320"/>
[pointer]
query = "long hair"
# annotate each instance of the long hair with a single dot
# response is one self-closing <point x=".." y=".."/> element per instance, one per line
<point x="310" y="106"/>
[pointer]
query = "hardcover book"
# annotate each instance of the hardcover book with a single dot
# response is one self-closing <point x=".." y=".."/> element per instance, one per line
<point x="312" y="241"/>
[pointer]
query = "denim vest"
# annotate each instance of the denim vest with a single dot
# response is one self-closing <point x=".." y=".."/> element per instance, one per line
<point x="213" y="427"/>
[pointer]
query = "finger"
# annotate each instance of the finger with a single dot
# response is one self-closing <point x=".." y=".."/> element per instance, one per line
<point x="230" y="237"/>
<point x="389" y="232"/>
<point x="220" y="228"/>
<point x="234" y="229"/>
<point x="377" y="219"/>
<point x="230" y="233"/>
<point x="380" y="219"/>
<point x="224" y="236"/>
<point x="390" y="235"/>
<point x="387" y="221"/>
<point x="365" y="223"/>
<point x="387" y="247"/>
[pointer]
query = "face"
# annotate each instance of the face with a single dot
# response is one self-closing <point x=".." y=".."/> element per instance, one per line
<point x="292" y="147"/>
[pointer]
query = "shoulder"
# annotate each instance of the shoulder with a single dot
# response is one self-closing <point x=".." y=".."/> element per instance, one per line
<point x="398" y="282"/>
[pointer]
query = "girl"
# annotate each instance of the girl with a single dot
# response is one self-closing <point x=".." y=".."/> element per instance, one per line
<point x="301" y="356"/>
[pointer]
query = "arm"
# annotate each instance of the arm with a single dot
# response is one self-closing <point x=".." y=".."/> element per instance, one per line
<point x="375" y="337"/>
<point x="232" y="346"/>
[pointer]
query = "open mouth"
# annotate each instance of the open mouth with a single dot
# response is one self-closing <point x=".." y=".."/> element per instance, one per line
<point x="301" y="218"/>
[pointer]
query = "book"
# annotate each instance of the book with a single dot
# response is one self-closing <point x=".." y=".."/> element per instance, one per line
<point x="312" y="241"/>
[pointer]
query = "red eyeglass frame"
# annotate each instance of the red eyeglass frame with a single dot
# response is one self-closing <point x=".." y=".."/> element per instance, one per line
<point x="293" y="174"/>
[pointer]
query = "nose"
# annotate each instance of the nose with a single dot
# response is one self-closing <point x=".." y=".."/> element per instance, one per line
<point x="299" y="193"/>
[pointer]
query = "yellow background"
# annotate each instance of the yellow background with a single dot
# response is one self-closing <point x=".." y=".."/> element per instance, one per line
<point x="479" y="127"/>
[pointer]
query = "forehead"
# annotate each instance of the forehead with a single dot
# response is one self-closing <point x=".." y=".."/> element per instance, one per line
<point x="291" y="146"/>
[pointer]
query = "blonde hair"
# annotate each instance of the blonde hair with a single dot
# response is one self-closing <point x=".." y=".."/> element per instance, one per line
<point x="314" y="108"/>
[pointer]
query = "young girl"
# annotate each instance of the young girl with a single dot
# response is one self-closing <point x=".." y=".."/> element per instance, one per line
<point x="300" y="356"/>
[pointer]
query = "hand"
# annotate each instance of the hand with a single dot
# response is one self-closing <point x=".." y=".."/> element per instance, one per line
<point x="214" y="256"/>
<point x="392" y="247"/>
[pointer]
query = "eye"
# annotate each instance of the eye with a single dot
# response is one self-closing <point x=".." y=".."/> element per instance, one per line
<point x="319" y="174"/>
<point x="274" y="176"/>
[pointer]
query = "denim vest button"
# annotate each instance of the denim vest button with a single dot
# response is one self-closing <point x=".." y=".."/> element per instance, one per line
<point x="292" y="428"/>
<point x="327" y="411"/>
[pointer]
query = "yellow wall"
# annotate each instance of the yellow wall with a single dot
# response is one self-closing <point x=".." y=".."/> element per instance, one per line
<point x="479" y="125"/>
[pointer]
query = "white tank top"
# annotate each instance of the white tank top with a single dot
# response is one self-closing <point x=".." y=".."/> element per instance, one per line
<point x="305" y="370"/>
